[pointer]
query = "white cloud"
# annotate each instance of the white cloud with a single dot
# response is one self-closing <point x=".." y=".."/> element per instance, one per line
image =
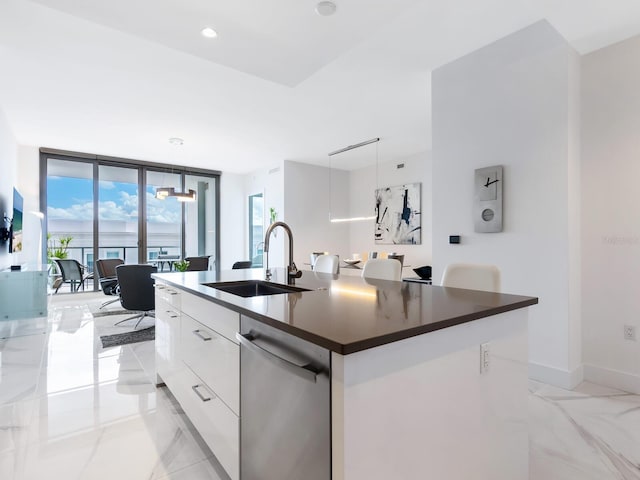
<point x="158" y="211"/>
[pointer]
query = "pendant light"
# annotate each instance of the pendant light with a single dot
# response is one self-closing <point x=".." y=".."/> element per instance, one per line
<point x="343" y="150"/>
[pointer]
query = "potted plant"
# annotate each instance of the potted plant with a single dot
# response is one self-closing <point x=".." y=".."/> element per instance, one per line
<point x="181" y="266"/>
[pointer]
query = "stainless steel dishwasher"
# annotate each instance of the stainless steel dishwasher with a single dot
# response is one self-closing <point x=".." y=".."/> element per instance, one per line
<point x="285" y="406"/>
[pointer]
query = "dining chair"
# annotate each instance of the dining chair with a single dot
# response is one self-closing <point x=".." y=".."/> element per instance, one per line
<point x="136" y="290"/>
<point x="241" y="265"/>
<point x="327" y="264"/>
<point x="106" y="269"/>
<point x="72" y="273"/>
<point x="472" y="277"/>
<point x="382" y="268"/>
<point x="198" y="264"/>
<point x="397" y="256"/>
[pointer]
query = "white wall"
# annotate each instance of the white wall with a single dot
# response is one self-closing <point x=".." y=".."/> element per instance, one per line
<point x="311" y="191"/>
<point x="28" y="180"/>
<point x="362" y="186"/>
<point x="610" y="219"/>
<point x="8" y="162"/>
<point x="507" y="104"/>
<point x="233" y="235"/>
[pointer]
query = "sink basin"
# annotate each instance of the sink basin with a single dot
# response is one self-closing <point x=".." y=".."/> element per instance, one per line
<point x="254" y="288"/>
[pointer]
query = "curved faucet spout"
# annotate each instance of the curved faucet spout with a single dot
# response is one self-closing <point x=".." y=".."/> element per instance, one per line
<point x="292" y="270"/>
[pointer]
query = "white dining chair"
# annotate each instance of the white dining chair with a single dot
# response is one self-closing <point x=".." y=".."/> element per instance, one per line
<point x="472" y="277"/>
<point x="382" y="268"/>
<point x="327" y="264"/>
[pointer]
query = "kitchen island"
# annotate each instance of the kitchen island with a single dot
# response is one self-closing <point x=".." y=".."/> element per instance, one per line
<point x="422" y="381"/>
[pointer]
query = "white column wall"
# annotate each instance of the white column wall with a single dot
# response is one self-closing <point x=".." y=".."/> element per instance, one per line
<point x="610" y="221"/>
<point x="507" y="104"/>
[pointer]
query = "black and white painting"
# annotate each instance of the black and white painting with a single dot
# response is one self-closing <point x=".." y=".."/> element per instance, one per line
<point x="398" y="217"/>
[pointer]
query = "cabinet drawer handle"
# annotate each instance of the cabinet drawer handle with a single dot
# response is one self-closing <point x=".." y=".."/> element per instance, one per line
<point x="202" y="397"/>
<point x="170" y="312"/>
<point x="172" y="292"/>
<point x="201" y="336"/>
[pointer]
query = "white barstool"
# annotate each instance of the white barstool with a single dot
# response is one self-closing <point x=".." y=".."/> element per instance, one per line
<point x="472" y="277"/>
<point x="382" y="268"/>
<point x="327" y="264"/>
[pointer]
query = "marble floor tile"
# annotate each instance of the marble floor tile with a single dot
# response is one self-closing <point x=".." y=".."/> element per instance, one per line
<point x="70" y="409"/>
<point x="592" y="432"/>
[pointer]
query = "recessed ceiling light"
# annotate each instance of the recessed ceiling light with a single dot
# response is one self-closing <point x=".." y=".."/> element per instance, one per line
<point x="209" y="32"/>
<point x="176" y="141"/>
<point x="326" y="8"/>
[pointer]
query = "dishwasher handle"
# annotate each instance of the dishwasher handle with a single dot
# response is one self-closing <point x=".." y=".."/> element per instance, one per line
<point x="308" y="372"/>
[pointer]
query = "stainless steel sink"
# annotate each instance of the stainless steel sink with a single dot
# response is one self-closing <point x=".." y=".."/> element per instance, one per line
<point x="254" y="288"/>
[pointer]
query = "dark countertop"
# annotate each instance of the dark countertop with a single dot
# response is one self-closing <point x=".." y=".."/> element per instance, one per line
<point x="347" y="314"/>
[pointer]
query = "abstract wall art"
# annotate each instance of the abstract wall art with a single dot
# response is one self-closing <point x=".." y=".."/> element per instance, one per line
<point x="398" y="219"/>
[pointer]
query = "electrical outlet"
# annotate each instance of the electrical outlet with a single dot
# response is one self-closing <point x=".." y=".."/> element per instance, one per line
<point x="629" y="332"/>
<point x="485" y="358"/>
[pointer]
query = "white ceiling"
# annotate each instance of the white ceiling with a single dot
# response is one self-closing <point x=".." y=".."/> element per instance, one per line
<point x="279" y="83"/>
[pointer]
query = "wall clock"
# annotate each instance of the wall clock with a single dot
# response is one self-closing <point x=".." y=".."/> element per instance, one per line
<point x="487" y="201"/>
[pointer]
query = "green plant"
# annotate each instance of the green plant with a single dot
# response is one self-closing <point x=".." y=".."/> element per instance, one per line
<point x="181" y="266"/>
<point x="55" y="250"/>
<point x="273" y="215"/>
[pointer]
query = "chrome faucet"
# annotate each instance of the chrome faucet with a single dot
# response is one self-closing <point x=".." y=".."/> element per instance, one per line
<point x="292" y="270"/>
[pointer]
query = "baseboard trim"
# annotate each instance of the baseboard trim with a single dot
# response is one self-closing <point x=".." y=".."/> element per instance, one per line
<point x="627" y="382"/>
<point x="555" y="376"/>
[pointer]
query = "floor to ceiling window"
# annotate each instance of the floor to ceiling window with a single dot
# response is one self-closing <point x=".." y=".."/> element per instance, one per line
<point x="163" y="222"/>
<point x="200" y="225"/>
<point x="95" y="204"/>
<point x="118" y="206"/>
<point x="70" y="213"/>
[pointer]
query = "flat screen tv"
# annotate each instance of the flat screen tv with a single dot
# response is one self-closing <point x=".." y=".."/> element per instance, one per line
<point x="15" y="241"/>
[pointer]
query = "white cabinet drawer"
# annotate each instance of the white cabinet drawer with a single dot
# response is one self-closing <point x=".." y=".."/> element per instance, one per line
<point x="169" y="294"/>
<point x="214" y="359"/>
<point x="167" y="342"/>
<point x="213" y="316"/>
<point x="216" y="423"/>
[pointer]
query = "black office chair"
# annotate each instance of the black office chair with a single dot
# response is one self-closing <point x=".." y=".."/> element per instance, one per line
<point x="106" y="269"/>
<point x="136" y="290"/>
<point x="198" y="264"/>
<point x="242" y="264"/>
<point x="72" y="273"/>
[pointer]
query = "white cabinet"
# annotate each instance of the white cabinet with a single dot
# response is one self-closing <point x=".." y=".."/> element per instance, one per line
<point x="214" y="359"/>
<point x="23" y="294"/>
<point x="216" y="423"/>
<point x="199" y="360"/>
<point x="168" y="361"/>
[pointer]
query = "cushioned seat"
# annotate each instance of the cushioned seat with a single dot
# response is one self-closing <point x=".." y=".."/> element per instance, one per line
<point x="382" y="268"/>
<point x="136" y="290"/>
<point x="472" y="277"/>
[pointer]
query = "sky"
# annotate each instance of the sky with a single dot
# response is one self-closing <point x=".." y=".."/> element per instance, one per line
<point x="72" y="199"/>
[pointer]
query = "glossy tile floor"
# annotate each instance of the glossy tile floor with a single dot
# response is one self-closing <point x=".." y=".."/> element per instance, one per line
<point x="70" y="409"/>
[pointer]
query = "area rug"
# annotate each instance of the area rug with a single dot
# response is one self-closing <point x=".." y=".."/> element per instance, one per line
<point x="142" y="335"/>
<point x="112" y="309"/>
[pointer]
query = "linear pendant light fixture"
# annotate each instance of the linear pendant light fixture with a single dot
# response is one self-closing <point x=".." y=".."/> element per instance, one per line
<point x="346" y="149"/>
<point x="162" y="193"/>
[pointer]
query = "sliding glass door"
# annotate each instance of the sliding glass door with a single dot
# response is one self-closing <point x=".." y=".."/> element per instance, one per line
<point x="200" y="227"/>
<point x="70" y="214"/>
<point x="109" y="209"/>
<point x="118" y="213"/>
<point x="163" y="221"/>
